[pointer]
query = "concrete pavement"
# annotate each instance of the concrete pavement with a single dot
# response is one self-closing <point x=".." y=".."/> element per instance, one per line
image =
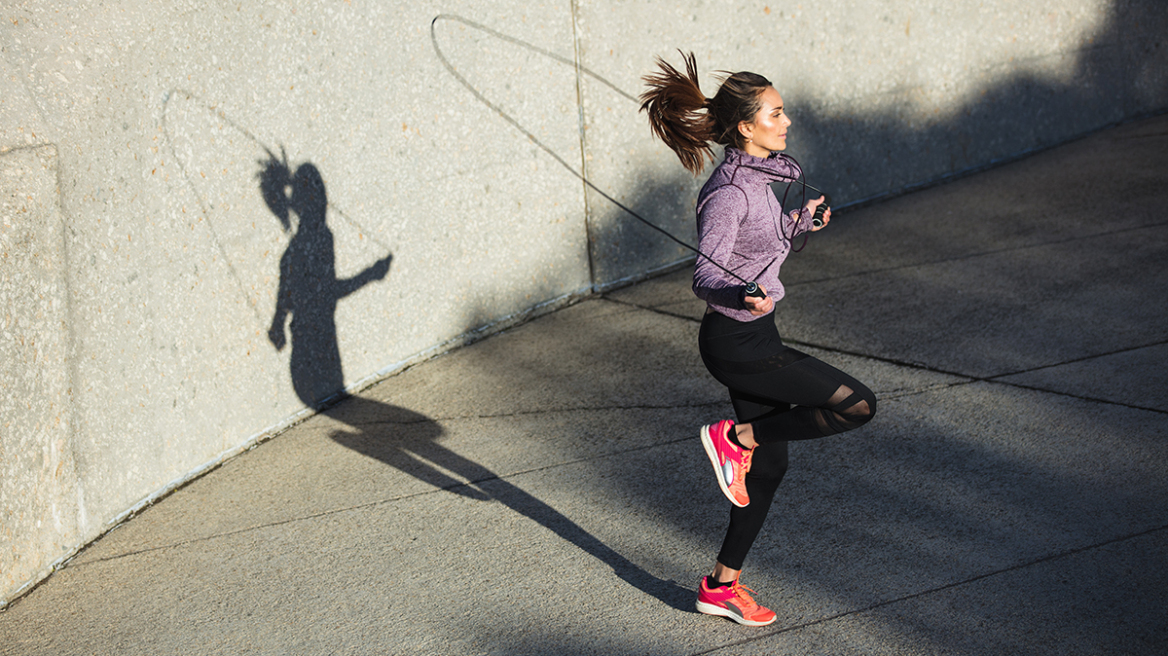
<point x="543" y="491"/>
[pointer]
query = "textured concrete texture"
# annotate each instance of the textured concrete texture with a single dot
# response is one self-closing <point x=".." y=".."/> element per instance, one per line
<point x="543" y="491"/>
<point x="40" y="512"/>
<point x="219" y="215"/>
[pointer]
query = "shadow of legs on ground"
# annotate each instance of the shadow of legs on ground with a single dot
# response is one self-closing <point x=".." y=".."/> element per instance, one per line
<point x="407" y="441"/>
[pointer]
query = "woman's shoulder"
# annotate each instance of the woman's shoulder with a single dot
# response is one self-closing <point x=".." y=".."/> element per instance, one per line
<point x="722" y="196"/>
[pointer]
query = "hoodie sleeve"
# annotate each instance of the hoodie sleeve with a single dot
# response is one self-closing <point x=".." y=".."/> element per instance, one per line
<point x="796" y="227"/>
<point x="719" y="218"/>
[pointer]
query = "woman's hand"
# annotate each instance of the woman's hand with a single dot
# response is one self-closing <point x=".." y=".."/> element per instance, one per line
<point x="811" y="205"/>
<point x="759" y="305"/>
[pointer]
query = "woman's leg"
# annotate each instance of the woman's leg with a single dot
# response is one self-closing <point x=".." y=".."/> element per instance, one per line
<point x="765" y="378"/>
<point x="719" y="593"/>
<point x="827" y="400"/>
<point x="830" y="402"/>
<point x="762" y="482"/>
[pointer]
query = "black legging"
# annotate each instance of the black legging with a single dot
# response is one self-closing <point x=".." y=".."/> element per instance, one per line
<point x="765" y="379"/>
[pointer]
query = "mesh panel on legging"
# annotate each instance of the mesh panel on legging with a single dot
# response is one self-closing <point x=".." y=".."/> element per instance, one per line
<point x="848" y="409"/>
<point x="850" y="405"/>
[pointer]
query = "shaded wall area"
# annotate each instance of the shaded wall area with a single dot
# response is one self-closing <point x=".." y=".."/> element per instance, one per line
<point x="215" y="220"/>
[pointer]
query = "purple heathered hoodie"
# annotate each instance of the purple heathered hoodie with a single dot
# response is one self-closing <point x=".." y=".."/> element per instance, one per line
<point x="742" y="227"/>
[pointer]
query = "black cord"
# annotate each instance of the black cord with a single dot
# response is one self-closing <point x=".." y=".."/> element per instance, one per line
<point x="514" y="123"/>
<point x="803" y="187"/>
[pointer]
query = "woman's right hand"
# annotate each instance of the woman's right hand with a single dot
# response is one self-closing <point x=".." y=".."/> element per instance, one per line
<point x="759" y="305"/>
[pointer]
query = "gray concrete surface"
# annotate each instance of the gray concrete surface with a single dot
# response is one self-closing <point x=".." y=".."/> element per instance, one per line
<point x="449" y="138"/>
<point x="37" y="467"/>
<point x="543" y="490"/>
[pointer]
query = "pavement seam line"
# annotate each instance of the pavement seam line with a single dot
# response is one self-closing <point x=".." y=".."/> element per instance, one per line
<point x="970" y="256"/>
<point x="607" y="296"/>
<point x="941" y="588"/>
<point x="371" y="504"/>
<point x="993" y="380"/>
<point x="551" y="411"/>
<point x="1080" y="397"/>
<point x="969" y="379"/>
<point x="1082" y="359"/>
<point x="920" y="366"/>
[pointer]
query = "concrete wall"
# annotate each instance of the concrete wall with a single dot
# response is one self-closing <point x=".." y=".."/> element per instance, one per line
<point x="416" y="167"/>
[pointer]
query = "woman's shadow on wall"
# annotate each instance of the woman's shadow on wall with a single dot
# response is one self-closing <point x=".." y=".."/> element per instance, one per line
<point x="309" y="292"/>
<point x="309" y="289"/>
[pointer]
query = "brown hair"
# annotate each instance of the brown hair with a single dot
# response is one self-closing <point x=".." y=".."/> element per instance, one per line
<point x="687" y="121"/>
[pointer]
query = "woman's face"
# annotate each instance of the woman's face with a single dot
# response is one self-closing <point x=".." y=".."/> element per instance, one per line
<point x="768" y="131"/>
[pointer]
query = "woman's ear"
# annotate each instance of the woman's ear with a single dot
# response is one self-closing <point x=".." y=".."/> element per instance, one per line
<point x="746" y="129"/>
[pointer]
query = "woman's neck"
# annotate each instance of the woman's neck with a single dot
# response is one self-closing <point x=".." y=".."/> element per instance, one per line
<point x="751" y="148"/>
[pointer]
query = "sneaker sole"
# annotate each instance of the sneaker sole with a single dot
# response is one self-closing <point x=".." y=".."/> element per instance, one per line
<point x="711" y="609"/>
<point x="708" y="445"/>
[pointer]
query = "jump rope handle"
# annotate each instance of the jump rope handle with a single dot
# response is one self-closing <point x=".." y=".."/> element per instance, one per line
<point x="752" y="289"/>
<point x="817" y="219"/>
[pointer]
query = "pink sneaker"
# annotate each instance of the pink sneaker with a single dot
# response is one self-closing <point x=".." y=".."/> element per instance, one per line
<point x="733" y="601"/>
<point x="731" y="462"/>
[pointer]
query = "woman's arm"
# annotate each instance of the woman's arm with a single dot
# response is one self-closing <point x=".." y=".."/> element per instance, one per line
<point x="800" y="222"/>
<point x="719" y="218"/>
<point x="375" y="271"/>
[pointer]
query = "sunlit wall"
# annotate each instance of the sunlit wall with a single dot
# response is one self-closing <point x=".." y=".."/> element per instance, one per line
<point x="213" y="219"/>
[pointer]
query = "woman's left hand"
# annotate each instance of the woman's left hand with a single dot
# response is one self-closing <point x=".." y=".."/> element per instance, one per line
<point x="811" y="205"/>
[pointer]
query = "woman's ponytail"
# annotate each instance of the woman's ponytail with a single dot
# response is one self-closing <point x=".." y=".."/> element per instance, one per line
<point x="678" y="112"/>
<point x="687" y="121"/>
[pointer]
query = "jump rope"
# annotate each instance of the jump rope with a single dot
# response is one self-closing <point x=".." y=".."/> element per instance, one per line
<point x="752" y="288"/>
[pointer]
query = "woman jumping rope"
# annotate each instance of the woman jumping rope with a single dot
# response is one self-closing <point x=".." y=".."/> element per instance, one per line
<point x="778" y="394"/>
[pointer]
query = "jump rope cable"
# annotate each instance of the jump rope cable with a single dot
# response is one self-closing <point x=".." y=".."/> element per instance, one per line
<point x="283" y="161"/>
<point x="204" y="206"/>
<point x="752" y="287"/>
